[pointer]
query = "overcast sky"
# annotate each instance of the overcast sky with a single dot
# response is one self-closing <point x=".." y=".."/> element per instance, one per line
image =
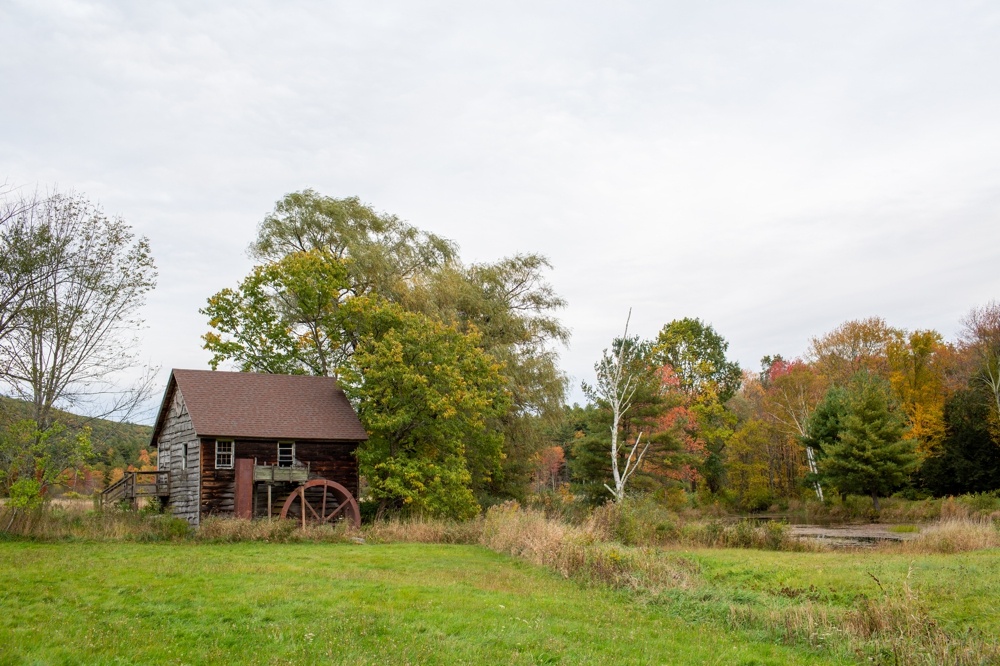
<point x="774" y="168"/>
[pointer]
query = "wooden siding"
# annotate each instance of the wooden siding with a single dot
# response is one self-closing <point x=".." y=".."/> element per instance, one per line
<point x="329" y="460"/>
<point x="177" y="431"/>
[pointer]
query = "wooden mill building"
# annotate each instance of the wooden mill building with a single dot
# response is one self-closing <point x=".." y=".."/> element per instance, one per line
<point x="246" y="444"/>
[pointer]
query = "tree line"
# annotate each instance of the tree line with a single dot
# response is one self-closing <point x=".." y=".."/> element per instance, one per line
<point x="454" y="369"/>
<point x="871" y="409"/>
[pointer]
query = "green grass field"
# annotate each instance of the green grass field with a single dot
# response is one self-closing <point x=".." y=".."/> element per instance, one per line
<point x="961" y="591"/>
<point x="190" y="603"/>
<point x="70" y="603"/>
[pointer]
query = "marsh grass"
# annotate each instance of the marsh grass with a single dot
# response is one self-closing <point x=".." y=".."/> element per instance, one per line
<point x="951" y="535"/>
<point x="854" y="508"/>
<point x="581" y="552"/>
<point x="892" y="627"/>
<point x="904" y="529"/>
<point x="423" y="530"/>
<point x="77" y="522"/>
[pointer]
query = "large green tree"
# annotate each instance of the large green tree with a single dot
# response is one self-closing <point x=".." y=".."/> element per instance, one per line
<point x="426" y="394"/>
<point x="285" y="317"/>
<point x="511" y="306"/>
<point x="862" y="433"/>
<point x="318" y="253"/>
<point x="321" y="254"/>
<point x="384" y="255"/>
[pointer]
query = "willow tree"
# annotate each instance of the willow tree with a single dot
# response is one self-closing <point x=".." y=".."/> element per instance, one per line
<point x="268" y="324"/>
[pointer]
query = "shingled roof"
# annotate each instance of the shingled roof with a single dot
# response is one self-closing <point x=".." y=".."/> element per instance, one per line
<point x="256" y="406"/>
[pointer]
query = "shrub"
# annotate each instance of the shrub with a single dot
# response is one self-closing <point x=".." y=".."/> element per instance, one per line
<point x="639" y="520"/>
<point x="25" y="494"/>
<point x="580" y="551"/>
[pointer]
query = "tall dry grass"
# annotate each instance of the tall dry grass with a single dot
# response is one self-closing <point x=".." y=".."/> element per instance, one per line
<point x="423" y="530"/>
<point x="232" y="530"/>
<point x="75" y="522"/>
<point x="892" y="627"/>
<point x="645" y="522"/>
<point x="582" y="552"/>
<point x="854" y="508"/>
<point x="952" y="535"/>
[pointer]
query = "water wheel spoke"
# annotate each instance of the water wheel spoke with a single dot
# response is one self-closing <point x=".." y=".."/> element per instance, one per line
<point x="320" y="496"/>
<point x="335" y="512"/>
<point x="305" y="503"/>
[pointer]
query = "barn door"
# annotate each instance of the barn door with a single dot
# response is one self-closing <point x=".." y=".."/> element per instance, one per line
<point x="244" y="488"/>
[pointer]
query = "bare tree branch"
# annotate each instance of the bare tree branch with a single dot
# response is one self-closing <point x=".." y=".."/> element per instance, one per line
<point x="75" y="331"/>
<point x="616" y="386"/>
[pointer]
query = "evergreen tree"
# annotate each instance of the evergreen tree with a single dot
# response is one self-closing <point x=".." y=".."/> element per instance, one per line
<point x="869" y="455"/>
<point x="827" y="420"/>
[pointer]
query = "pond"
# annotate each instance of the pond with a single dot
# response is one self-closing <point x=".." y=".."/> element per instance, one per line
<point x="850" y="536"/>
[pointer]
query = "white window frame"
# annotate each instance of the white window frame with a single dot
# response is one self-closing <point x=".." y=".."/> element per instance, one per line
<point x="221" y="453"/>
<point x="184" y="456"/>
<point x="286" y="444"/>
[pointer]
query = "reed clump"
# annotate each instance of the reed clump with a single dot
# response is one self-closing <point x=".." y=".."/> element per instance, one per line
<point x="76" y="522"/>
<point x="232" y="530"/>
<point x="892" y="626"/>
<point x="581" y="552"/>
<point x="423" y="530"/>
<point x="952" y="535"/>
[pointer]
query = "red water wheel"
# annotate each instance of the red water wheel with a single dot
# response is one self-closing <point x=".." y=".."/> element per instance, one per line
<point x="322" y="501"/>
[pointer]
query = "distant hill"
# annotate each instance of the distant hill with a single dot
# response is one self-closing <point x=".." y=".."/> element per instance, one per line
<point x="116" y="444"/>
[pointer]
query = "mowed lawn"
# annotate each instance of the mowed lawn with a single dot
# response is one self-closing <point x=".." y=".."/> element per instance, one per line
<point x="71" y="603"/>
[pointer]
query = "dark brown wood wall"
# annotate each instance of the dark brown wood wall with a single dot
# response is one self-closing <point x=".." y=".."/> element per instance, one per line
<point x="329" y="460"/>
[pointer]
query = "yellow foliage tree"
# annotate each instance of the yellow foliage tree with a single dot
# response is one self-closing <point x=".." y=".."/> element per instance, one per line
<point x="917" y="365"/>
<point x="748" y="461"/>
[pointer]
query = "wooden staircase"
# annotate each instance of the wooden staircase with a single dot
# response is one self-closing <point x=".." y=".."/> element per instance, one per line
<point x="134" y="485"/>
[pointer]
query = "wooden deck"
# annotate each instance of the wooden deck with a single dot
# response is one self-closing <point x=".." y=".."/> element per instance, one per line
<point x="134" y="485"/>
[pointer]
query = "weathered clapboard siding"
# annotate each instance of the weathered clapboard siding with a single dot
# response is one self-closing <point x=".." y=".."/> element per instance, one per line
<point x="178" y="430"/>
<point x="255" y="412"/>
<point x="329" y="460"/>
